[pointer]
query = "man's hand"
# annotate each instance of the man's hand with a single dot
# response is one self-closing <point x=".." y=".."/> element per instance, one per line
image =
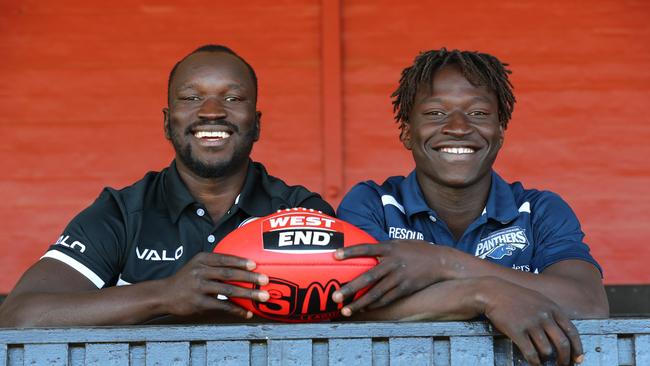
<point x="195" y="287"/>
<point x="405" y="267"/>
<point x="533" y="322"/>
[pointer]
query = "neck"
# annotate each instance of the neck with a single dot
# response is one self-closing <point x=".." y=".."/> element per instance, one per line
<point x="458" y="207"/>
<point x="217" y="194"/>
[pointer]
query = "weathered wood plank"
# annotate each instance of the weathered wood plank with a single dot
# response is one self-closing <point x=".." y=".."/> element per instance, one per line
<point x="471" y="351"/>
<point x="642" y="349"/>
<point x="289" y="352"/>
<point x="198" y="354"/>
<point x="3" y="354"/>
<point x="441" y="352"/>
<point x="76" y="354"/>
<point x="107" y="354"/>
<point x="600" y="350"/>
<point x="137" y="354"/>
<point x="346" y="352"/>
<point x="625" y="351"/>
<point x="290" y="331"/>
<point x="167" y="354"/>
<point x="15" y="356"/>
<point x="411" y="351"/>
<point x="259" y="354"/>
<point x="228" y="353"/>
<point x="46" y="354"/>
<point x="380" y="352"/>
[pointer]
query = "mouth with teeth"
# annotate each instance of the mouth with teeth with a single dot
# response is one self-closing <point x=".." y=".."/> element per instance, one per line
<point x="457" y="150"/>
<point x="212" y="135"/>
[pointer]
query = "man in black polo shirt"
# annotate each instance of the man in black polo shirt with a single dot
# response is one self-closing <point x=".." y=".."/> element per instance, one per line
<point x="157" y="235"/>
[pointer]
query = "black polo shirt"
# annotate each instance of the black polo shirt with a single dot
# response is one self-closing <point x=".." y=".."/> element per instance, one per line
<point x="150" y="229"/>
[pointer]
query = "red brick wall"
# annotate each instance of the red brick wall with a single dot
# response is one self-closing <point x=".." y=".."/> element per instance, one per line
<point x="84" y="84"/>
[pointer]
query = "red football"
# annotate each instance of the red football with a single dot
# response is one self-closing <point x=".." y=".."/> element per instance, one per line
<point x="295" y="248"/>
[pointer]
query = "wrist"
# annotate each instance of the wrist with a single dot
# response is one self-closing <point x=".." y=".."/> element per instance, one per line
<point x="482" y="293"/>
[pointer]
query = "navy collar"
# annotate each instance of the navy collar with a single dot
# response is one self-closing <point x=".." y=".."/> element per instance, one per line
<point x="501" y="205"/>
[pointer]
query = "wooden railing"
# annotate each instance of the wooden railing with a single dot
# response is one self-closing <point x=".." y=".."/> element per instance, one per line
<point x="606" y="342"/>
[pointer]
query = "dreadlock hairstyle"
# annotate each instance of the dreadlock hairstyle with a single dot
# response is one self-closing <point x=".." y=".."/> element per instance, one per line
<point x="211" y="48"/>
<point x="478" y="68"/>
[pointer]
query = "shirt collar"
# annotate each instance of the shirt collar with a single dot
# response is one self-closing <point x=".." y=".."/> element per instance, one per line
<point x="177" y="195"/>
<point x="412" y="196"/>
<point x="500" y="205"/>
<point x="252" y="199"/>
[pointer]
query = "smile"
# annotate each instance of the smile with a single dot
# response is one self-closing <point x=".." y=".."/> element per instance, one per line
<point x="457" y="150"/>
<point x="212" y="135"/>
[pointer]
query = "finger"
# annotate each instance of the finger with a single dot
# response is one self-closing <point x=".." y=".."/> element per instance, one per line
<point x="561" y="343"/>
<point x="373" y="295"/>
<point x="232" y="274"/>
<point x="389" y="297"/>
<point x="577" y="354"/>
<point x="225" y="260"/>
<point x="362" y="250"/>
<point x="211" y="303"/>
<point x="362" y="281"/>
<point x="218" y="288"/>
<point x="527" y="349"/>
<point x="542" y="343"/>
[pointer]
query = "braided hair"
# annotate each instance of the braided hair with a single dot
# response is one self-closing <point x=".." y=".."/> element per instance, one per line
<point x="478" y="68"/>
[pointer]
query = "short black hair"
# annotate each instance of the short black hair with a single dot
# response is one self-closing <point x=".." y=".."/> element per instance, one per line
<point x="211" y="48"/>
<point x="478" y="68"/>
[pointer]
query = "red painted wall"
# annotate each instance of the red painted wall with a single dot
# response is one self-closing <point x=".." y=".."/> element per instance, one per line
<point x="84" y="83"/>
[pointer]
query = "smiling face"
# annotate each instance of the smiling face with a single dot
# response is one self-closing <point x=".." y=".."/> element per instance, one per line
<point x="453" y="131"/>
<point x="211" y="120"/>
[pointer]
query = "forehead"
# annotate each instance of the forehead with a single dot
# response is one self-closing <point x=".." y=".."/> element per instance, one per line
<point x="449" y="81"/>
<point x="212" y="67"/>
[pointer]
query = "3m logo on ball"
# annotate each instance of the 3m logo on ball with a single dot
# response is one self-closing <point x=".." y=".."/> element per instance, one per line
<point x="290" y="302"/>
<point x="293" y="233"/>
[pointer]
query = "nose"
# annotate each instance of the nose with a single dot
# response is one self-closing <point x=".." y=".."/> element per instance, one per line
<point x="457" y="125"/>
<point x="212" y="108"/>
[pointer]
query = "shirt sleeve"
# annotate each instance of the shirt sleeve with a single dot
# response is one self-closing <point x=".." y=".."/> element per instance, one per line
<point x="93" y="242"/>
<point x="558" y="233"/>
<point x="362" y="208"/>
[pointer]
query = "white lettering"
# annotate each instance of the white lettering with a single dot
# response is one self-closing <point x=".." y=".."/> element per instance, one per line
<point x="297" y="221"/>
<point x="154" y="255"/>
<point x="141" y="255"/>
<point x="285" y="238"/>
<point x="82" y="248"/>
<point x="321" y="238"/>
<point x="279" y="222"/>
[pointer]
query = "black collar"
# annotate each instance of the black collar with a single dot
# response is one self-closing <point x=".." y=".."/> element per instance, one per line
<point x="253" y="198"/>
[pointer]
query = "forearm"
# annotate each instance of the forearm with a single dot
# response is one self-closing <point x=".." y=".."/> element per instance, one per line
<point x="112" y="306"/>
<point x="447" y="300"/>
<point x="573" y="284"/>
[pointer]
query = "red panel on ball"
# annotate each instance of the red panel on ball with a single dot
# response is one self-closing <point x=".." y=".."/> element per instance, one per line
<point x="295" y="248"/>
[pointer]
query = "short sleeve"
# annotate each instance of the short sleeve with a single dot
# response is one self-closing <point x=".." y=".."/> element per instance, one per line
<point x="362" y="207"/>
<point x="93" y="243"/>
<point x="557" y="233"/>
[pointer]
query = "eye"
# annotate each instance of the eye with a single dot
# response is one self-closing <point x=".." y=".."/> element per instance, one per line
<point x="435" y="113"/>
<point x="232" y="99"/>
<point x="478" y="114"/>
<point x="191" y="98"/>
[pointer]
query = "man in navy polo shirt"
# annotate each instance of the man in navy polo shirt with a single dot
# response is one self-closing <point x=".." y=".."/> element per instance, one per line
<point x="457" y="240"/>
<point x="144" y="252"/>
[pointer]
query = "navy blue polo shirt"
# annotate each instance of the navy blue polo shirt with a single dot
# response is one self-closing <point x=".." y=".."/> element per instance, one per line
<point x="150" y="229"/>
<point x="524" y="229"/>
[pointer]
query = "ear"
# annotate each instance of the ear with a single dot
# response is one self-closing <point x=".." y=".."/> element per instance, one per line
<point x="405" y="136"/>
<point x="258" y="120"/>
<point x="168" y="133"/>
